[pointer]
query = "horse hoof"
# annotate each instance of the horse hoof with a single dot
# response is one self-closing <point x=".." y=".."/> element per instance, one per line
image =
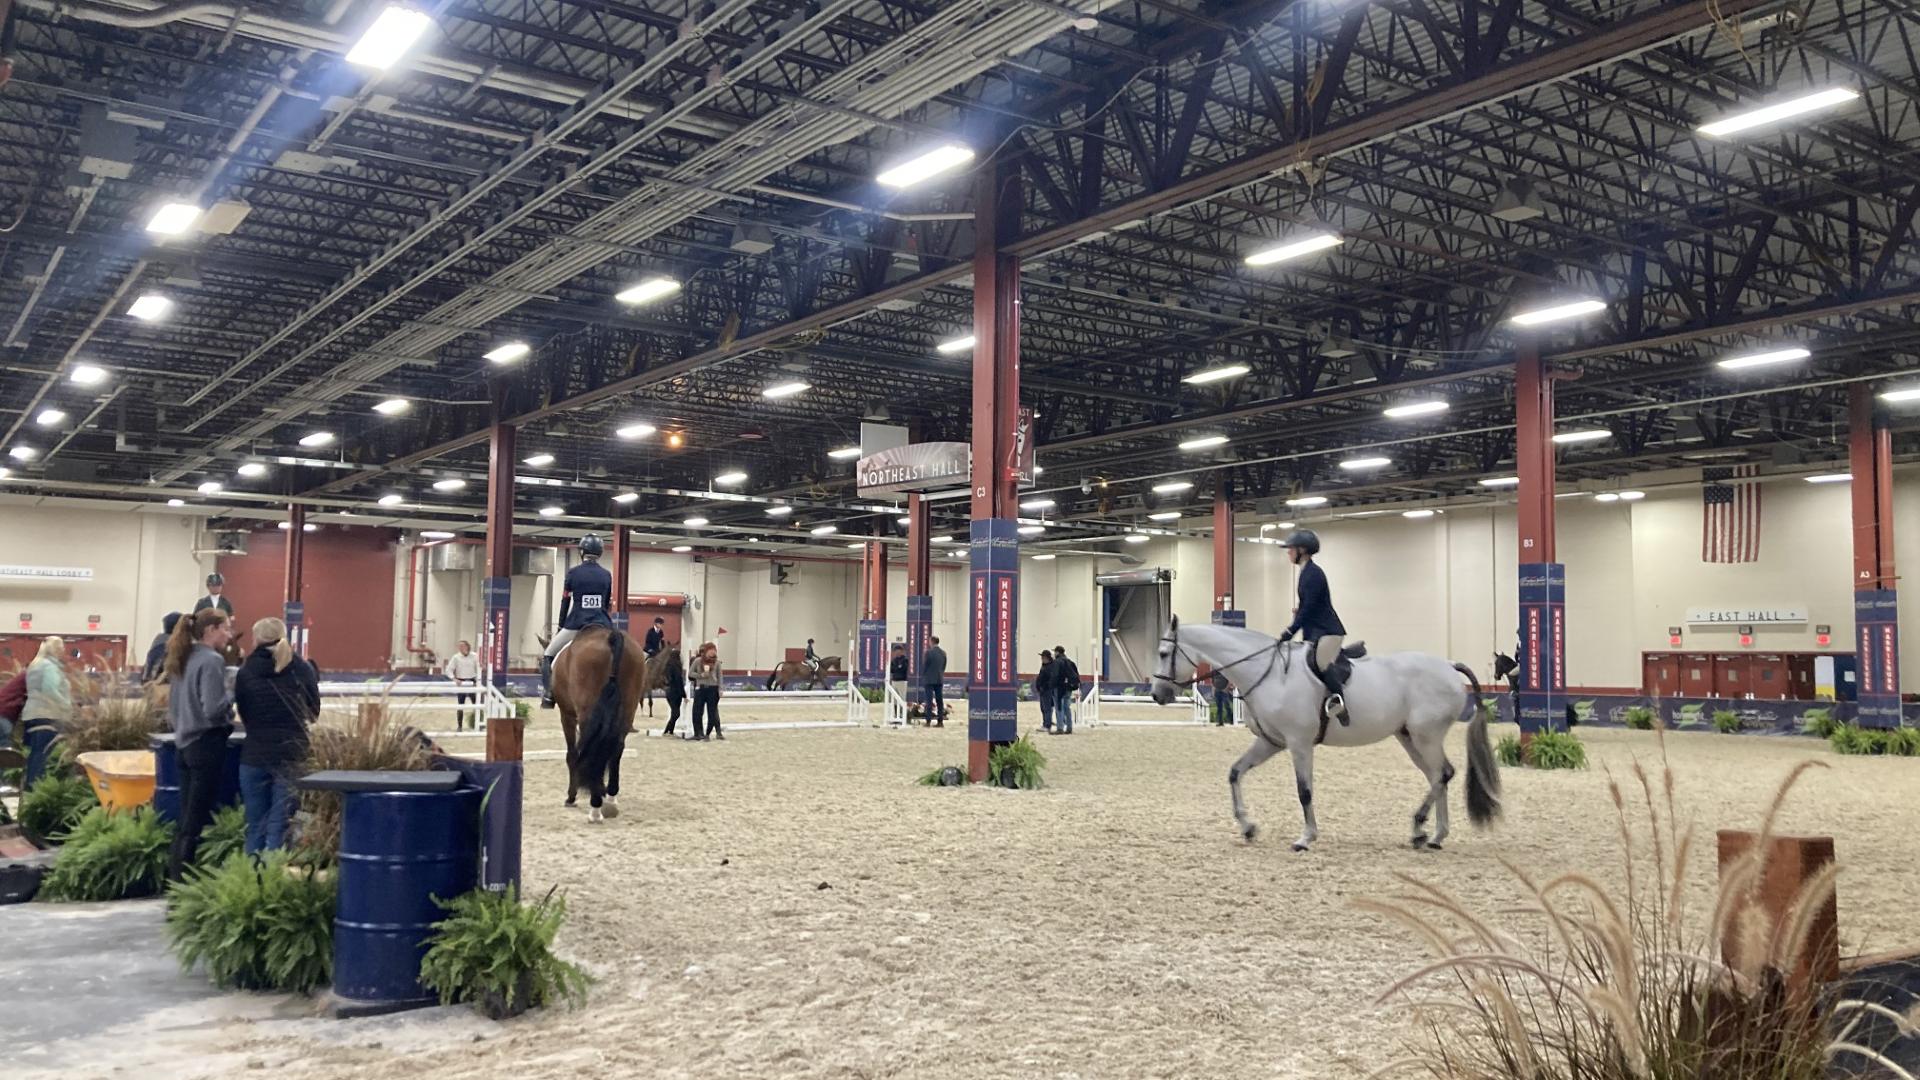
<point x="1297" y="846"/>
<point x="1433" y="845"/>
<point x="594" y="816"/>
<point x="1248" y="832"/>
<point x="611" y="810"/>
<point x="568" y="804"/>
<point x="1420" y="840"/>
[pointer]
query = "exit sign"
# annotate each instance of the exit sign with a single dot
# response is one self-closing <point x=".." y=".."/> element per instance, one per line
<point x="26" y="620"/>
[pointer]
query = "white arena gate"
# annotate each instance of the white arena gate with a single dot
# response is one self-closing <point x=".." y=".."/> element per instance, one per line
<point x="1101" y="709"/>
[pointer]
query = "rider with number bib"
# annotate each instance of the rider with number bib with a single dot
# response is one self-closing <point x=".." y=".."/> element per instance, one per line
<point x="1315" y="618"/>
<point x="812" y="659"/>
<point x="586" y="600"/>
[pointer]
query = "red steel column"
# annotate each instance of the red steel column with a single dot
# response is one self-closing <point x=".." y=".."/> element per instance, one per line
<point x="1875" y="602"/>
<point x="1222" y="553"/>
<point x="293" y="609"/>
<point x="1541" y="701"/>
<point x="1533" y="451"/>
<point x="994" y="593"/>
<point x="622" y="584"/>
<point x="503" y="739"/>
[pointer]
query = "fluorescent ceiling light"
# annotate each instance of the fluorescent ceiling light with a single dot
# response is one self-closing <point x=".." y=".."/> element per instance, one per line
<point x="844" y="453"/>
<point x="1416" y="514"/>
<point x="87" y="375"/>
<point x="288" y="525"/>
<point x="1607" y="497"/>
<point x="955" y="345"/>
<point x="173" y="218"/>
<point x="317" y="438"/>
<point x="824" y="530"/>
<point x="538" y="460"/>
<point x="1049" y="557"/>
<point x="925" y="166"/>
<point x="1572" y="309"/>
<point x="682" y="549"/>
<point x="208" y="487"/>
<point x="393" y="406"/>
<point x="1584" y="435"/>
<point x="176" y="502"/>
<point x="1830" y="478"/>
<point x="552" y="511"/>
<point x="696" y="522"/>
<point x="626" y="497"/>
<point x="904" y="519"/>
<point x="390" y="36"/>
<point x="856" y="545"/>
<point x="50" y="417"/>
<point x="1414" y="408"/>
<point x="1366" y="463"/>
<point x="23" y="453"/>
<point x="1204" y="442"/>
<point x="635" y="431"/>
<point x="1632" y="496"/>
<point x="1031" y="530"/>
<point x="646" y="292"/>
<point x="1782" y="110"/>
<point x="1231" y="371"/>
<point x="1293" y="249"/>
<point x="1137" y="538"/>
<point x="731" y="478"/>
<point x="941" y="540"/>
<point x="786" y="389"/>
<point x="508" y="353"/>
<point x="1761" y="359"/>
<point x="1172" y="486"/>
<point x="449" y="484"/>
<point x="779" y="511"/>
<point x="252" y="468"/>
<point x="1308" y="500"/>
<point x="150" y="307"/>
<point x="391" y="498"/>
<point x="1036" y="504"/>
<point x="1906" y="393"/>
<point x="436" y="534"/>
<point x="1501" y="481"/>
<point x="1165" y="515"/>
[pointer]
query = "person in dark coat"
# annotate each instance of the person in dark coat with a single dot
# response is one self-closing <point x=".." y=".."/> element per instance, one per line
<point x="215" y="598"/>
<point x="675" y="691"/>
<point x="157" y="652"/>
<point x="933" y="677"/>
<point x="1222" y="699"/>
<point x="1044" y="690"/>
<point x="1316" y="619"/>
<point x="898" y="670"/>
<point x="277" y="695"/>
<point x="586" y="599"/>
<point x="1066" y="689"/>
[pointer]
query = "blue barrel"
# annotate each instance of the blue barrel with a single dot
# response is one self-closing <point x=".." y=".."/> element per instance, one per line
<point x="166" y="776"/>
<point x="398" y="850"/>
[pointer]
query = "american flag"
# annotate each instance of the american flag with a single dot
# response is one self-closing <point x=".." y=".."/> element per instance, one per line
<point x="1730" y="515"/>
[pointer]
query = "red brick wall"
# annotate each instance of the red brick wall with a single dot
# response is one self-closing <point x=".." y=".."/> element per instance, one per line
<point x="348" y="590"/>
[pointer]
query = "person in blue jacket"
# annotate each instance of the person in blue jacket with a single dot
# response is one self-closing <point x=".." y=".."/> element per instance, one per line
<point x="585" y="600"/>
<point x="1316" y="620"/>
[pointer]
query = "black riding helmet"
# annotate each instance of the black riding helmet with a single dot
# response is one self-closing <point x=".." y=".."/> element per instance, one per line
<point x="590" y="547"/>
<point x="216" y="579"/>
<point x="1303" y="539"/>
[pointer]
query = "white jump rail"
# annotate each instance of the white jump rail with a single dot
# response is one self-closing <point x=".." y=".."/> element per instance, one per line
<point x="436" y="694"/>
<point x="857" y="708"/>
<point x="898" y="709"/>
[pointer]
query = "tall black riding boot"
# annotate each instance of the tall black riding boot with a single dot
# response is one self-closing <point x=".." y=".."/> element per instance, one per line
<point x="1336" y="706"/>
<point x="546" y="682"/>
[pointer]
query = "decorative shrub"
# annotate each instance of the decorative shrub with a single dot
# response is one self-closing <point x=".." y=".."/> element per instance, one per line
<point x="54" y="806"/>
<point x="389" y="745"/>
<point x="110" y="857"/>
<point x="1508" y="750"/>
<point x="873" y="695"/>
<point x="523" y="709"/>
<point x="1640" y="718"/>
<point x="255" y="925"/>
<point x="1017" y="764"/>
<point x="112" y="723"/>
<point x="945" y="776"/>
<point x="496" y="952"/>
<point x="226" y="835"/>
<point x="1819" y="723"/>
<point x="1625" y="980"/>
<point x="1726" y="721"/>
<point x="1556" y="750"/>
<point x="1894" y="742"/>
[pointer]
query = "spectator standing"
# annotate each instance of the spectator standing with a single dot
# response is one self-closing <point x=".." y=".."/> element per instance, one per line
<point x="933" y="679"/>
<point x="1222" y="699"/>
<point x="49" y="706"/>
<point x="704" y="674"/>
<point x="1043" y="690"/>
<point x="277" y="695"/>
<point x="13" y="701"/>
<point x="200" y="709"/>
<point x="1066" y="687"/>
<point x="157" y="652"/>
<point x="463" y="668"/>
<point x="675" y="691"/>
<point x="897" y="669"/>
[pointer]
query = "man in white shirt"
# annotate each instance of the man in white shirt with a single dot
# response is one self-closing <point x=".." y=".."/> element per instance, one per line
<point x="464" y="668"/>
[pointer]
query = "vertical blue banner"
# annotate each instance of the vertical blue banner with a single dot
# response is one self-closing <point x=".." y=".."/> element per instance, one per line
<point x="993" y="603"/>
<point x="619" y="620"/>
<point x="294" y="614"/>
<point x="1230" y="618"/>
<point x="1542" y="696"/>
<point x="872" y="667"/>
<point x="496" y="601"/>
<point x="919" y="630"/>
<point x="1877" y="639"/>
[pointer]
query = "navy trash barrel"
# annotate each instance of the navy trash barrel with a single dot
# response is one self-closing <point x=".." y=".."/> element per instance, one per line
<point x="166" y="778"/>
<point x="398" y="850"/>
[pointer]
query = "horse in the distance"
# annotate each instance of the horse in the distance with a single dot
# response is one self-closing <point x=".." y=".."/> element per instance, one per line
<point x="787" y="672"/>
<point x="1413" y="697"/>
<point x="597" y="681"/>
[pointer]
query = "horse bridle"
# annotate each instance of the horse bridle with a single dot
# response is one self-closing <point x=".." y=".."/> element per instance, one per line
<point x="1173" y="638"/>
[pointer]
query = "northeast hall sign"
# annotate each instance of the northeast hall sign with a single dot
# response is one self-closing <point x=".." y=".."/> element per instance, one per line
<point x="917" y="467"/>
<point x="1745" y="616"/>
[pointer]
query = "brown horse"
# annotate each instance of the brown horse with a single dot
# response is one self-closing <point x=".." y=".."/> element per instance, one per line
<point x="788" y="672"/>
<point x="597" y="681"/>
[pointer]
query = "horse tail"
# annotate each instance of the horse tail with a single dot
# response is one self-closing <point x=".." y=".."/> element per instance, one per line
<point x="772" y="675"/>
<point x="1483" y="769"/>
<point x="605" y="729"/>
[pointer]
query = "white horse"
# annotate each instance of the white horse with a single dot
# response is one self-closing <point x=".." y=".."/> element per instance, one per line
<point x="1411" y="696"/>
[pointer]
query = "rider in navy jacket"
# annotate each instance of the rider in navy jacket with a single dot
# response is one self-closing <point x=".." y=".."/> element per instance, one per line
<point x="585" y="600"/>
<point x="1316" y="619"/>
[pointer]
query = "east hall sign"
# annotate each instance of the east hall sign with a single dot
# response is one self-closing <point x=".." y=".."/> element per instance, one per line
<point x="1743" y="616"/>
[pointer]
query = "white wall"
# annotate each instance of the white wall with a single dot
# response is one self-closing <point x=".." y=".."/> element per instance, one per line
<point x="143" y="567"/>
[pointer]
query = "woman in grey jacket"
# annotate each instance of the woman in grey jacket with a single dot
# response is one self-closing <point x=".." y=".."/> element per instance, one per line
<point x="200" y="709"/>
<point x="49" y="706"/>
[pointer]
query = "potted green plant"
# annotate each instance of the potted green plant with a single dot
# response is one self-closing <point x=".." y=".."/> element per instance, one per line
<point x="497" y="953"/>
<point x="944" y="776"/>
<point x="1640" y="718"/>
<point x="110" y="857"/>
<point x="1556" y="750"/>
<point x="54" y="805"/>
<point x="1726" y="721"/>
<point x="263" y="924"/>
<point x="1016" y="764"/>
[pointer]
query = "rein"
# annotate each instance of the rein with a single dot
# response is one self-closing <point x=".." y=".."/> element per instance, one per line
<point x="1174" y="640"/>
